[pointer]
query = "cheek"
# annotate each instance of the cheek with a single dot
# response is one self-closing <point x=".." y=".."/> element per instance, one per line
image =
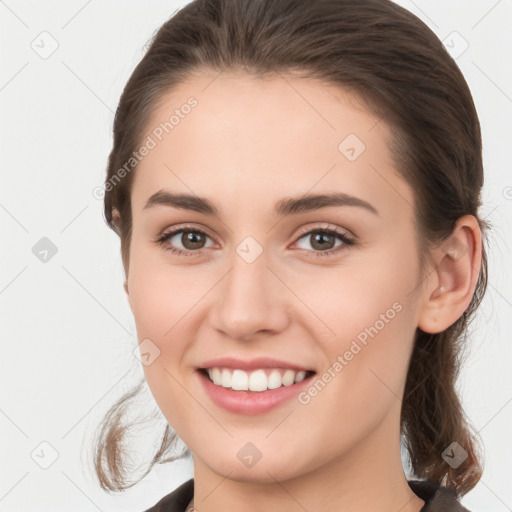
<point x="162" y="294"/>
<point x="343" y="301"/>
<point x="162" y="304"/>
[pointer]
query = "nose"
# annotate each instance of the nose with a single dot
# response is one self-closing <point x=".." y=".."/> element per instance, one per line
<point x="250" y="301"/>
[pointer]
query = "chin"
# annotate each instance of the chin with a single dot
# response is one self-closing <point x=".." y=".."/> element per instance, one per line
<point x="265" y="471"/>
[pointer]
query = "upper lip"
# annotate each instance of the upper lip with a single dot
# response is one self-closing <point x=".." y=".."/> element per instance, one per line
<point x="252" y="364"/>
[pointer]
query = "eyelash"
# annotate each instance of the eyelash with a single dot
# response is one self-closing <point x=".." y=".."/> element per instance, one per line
<point x="347" y="241"/>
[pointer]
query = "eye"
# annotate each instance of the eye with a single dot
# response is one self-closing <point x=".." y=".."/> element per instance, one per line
<point x="191" y="239"/>
<point x="323" y="240"/>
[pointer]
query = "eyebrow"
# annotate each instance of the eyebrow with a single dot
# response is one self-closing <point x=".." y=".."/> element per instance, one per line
<point x="286" y="206"/>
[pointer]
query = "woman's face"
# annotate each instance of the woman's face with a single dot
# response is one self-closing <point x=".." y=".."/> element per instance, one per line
<point x="253" y="281"/>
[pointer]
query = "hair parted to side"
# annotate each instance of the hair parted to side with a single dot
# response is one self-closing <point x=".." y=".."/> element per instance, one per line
<point x="394" y="63"/>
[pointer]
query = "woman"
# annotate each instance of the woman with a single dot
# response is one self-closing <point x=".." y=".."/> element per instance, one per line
<point x="296" y="186"/>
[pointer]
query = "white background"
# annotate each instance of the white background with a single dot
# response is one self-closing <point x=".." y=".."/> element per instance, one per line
<point x="67" y="330"/>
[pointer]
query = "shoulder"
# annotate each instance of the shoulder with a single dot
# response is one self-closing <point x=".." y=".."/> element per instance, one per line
<point x="436" y="498"/>
<point x="177" y="500"/>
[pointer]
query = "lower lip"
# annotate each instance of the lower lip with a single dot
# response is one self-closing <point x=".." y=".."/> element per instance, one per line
<point x="251" y="402"/>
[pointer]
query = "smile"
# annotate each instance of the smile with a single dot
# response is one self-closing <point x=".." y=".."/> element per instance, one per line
<point x="252" y="392"/>
<point x="261" y="379"/>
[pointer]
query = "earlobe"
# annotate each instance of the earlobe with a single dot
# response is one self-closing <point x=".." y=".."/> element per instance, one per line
<point x="116" y="218"/>
<point x="451" y="285"/>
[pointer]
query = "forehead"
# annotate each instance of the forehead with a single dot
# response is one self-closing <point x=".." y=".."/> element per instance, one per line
<point x="254" y="140"/>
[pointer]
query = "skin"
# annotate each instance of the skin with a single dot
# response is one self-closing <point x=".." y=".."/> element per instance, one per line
<point x="249" y="143"/>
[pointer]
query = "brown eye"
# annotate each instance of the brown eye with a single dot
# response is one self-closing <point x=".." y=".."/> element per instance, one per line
<point x="322" y="241"/>
<point x="192" y="240"/>
<point x="184" y="241"/>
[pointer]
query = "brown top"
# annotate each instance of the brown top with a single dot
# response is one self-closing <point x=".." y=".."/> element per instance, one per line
<point x="436" y="498"/>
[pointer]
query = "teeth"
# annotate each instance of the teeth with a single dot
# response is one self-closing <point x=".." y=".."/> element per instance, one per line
<point x="274" y="380"/>
<point x="301" y="375"/>
<point x="288" y="377"/>
<point x="239" y="380"/>
<point x="216" y="376"/>
<point x="225" y="380"/>
<point x="257" y="380"/>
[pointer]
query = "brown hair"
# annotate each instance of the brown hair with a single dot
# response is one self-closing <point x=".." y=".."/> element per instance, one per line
<point x="394" y="63"/>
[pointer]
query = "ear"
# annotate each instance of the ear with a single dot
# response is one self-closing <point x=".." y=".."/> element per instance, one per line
<point x="450" y="286"/>
<point x="116" y="217"/>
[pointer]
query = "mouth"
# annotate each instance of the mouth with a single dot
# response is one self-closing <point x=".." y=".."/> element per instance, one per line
<point x="255" y="381"/>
